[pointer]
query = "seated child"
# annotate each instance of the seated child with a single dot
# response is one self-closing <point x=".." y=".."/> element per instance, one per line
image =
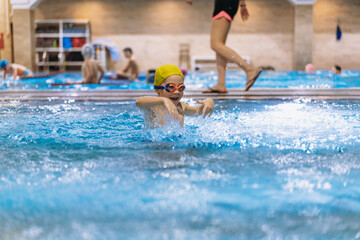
<point x="91" y="67"/>
<point x="131" y="71"/>
<point x="16" y="70"/>
<point x="169" y="85"/>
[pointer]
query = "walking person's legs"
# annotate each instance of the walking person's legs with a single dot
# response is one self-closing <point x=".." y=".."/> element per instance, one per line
<point x="220" y="35"/>
<point x="219" y="31"/>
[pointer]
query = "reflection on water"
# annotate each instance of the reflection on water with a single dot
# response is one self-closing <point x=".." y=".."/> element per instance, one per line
<point x="268" y="169"/>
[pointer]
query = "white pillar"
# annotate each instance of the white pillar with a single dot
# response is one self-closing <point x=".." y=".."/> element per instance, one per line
<point x="303" y="36"/>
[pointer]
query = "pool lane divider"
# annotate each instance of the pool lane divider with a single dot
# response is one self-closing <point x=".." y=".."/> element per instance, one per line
<point x="120" y="95"/>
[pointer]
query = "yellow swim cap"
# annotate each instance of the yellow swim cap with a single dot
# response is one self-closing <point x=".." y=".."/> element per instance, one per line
<point x="164" y="72"/>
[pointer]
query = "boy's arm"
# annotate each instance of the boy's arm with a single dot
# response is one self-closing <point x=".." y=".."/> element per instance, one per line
<point x="126" y="69"/>
<point x="148" y="102"/>
<point x="190" y="110"/>
<point x="205" y="108"/>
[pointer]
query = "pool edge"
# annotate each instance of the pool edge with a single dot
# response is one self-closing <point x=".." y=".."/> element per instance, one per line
<point x="121" y="95"/>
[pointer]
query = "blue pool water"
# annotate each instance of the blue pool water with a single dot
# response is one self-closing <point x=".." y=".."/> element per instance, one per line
<point x="202" y="80"/>
<point x="255" y="169"/>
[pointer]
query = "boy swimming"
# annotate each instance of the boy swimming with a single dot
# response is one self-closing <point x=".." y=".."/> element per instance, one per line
<point x="17" y="70"/>
<point x="169" y="85"/>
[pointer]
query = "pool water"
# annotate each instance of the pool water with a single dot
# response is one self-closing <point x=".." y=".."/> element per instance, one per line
<point x="255" y="169"/>
<point x="279" y="79"/>
<point x="201" y="80"/>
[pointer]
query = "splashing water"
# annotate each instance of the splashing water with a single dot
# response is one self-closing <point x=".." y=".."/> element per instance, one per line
<point x="255" y="169"/>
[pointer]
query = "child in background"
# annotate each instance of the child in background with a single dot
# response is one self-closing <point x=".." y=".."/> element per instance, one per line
<point x="91" y="67"/>
<point x="131" y="71"/>
<point x="17" y="70"/>
<point x="336" y="70"/>
<point x="309" y="68"/>
<point x="169" y="85"/>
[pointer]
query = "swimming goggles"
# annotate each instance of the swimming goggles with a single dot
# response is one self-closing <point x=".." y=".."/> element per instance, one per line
<point x="172" y="87"/>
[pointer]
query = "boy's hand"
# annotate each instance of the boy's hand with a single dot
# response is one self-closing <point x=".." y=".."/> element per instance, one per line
<point x="189" y="2"/>
<point x="206" y="107"/>
<point x="170" y="107"/>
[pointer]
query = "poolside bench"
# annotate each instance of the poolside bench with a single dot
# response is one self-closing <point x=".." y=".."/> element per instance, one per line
<point x="209" y="62"/>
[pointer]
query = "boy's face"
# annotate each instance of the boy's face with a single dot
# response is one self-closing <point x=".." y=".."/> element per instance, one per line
<point x="175" y="96"/>
<point x="127" y="54"/>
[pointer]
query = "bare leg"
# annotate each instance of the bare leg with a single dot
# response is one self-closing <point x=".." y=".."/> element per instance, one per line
<point x="221" y="68"/>
<point x="220" y="87"/>
<point x="124" y="76"/>
<point x="219" y="31"/>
